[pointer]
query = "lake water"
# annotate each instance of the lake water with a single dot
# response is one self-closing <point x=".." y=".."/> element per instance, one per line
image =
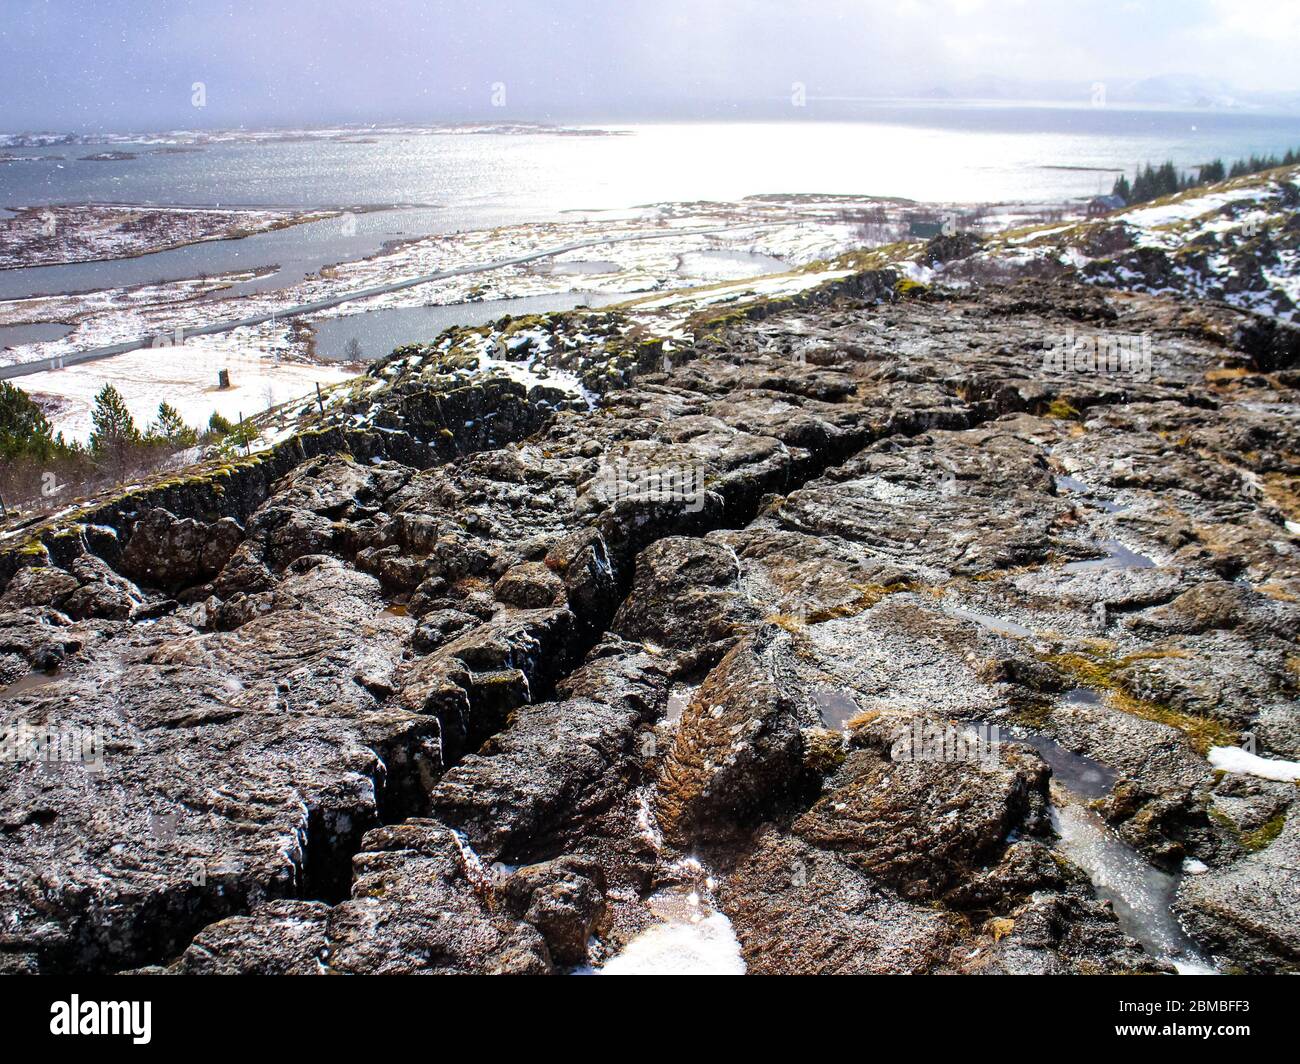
<point x="446" y="182"/>
<point x="35" y="332"/>
<point x="925" y="151"/>
<point x="378" y="332"/>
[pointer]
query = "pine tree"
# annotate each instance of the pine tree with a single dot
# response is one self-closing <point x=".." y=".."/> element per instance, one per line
<point x="171" y="429"/>
<point x="1212" y="172"/>
<point x="112" y="421"/>
<point x="24" y="429"/>
<point x="1145" y="185"/>
<point x="1167" y="180"/>
<point x="1150" y="183"/>
<point x="219" y="426"/>
<point x="114" y="435"/>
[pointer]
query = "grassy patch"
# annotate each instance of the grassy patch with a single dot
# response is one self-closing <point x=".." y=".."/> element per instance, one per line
<point x="1262" y="837"/>
<point x="1098" y="671"/>
<point x="999" y="927"/>
<point x="1061" y="410"/>
<point x="865" y="596"/>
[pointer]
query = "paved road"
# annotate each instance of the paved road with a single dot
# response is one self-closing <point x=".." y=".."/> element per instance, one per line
<point x="154" y="340"/>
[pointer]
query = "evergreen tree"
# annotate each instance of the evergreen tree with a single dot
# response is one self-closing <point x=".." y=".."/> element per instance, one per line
<point x="219" y="426"/>
<point x="1167" y="181"/>
<point x="112" y="421"/>
<point x="114" y="435"/>
<point x="1123" y="189"/>
<point x="171" y="429"/>
<point x="1212" y="172"/>
<point x="1145" y="185"/>
<point x="1150" y="183"/>
<point x="24" y="429"/>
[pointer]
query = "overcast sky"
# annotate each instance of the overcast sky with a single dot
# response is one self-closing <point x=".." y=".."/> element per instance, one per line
<point x="119" y="65"/>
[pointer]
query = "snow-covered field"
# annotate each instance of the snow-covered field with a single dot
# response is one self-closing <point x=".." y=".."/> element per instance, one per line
<point x="731" y="250"/>
<point x="186" y="377"/>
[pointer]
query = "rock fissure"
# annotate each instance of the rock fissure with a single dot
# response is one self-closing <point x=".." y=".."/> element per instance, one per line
<point x="396" y="670"/>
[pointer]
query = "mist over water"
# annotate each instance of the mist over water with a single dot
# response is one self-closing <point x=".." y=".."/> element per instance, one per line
<point x="919" y="151"/>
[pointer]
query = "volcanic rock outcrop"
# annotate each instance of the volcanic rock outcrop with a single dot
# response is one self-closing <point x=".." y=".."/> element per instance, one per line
<point x="496" y="699"/>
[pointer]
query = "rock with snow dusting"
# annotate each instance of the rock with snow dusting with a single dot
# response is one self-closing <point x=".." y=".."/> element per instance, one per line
<point x="663" y="648"/>
<point x="1248" y="912"/>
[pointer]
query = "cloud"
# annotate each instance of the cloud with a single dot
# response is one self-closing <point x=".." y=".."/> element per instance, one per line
<point x="123" y="64"/>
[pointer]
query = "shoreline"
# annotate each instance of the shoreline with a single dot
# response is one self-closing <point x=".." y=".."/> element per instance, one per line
<point x="236" y="230"/>
<point x="689" y="251"/>
<point x="668" y="263"/>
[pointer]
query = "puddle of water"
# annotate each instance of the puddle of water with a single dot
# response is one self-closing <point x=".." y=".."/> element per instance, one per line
<point x="29" y="682"/>
<point x="836" y="708"/>
<point x="1078" y="774"/>
<point x="996" y="625"/>
<point x="1118" y="556"/>
<point x="380" y="331"/>
<point x="585" y="268"/>
<point x="1082" y="696"/>
<point x="1078" y="487"/>
<point x="1141" y="895"/>
<point x="32" y="333"/>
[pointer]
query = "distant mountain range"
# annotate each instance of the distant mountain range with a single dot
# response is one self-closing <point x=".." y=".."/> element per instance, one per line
<point x="1166" y="90"/>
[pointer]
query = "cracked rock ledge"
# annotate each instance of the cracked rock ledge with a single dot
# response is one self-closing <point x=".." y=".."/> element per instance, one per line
<point x="490" y="702"/>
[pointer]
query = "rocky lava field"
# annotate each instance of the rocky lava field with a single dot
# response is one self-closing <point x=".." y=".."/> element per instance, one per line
<point x="463" y="689"/>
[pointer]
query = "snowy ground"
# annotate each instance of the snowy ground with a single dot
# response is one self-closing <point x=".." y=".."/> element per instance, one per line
<point x="42" y="236"/>
<point x="1232" y="243"/>
<point x="186" y="376"/>
<point x="765" y="243"/>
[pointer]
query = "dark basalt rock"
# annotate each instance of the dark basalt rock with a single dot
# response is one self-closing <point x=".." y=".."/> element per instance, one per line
<point x="276" y="938"/>
<point x="337" y="684"/>
<point x="564" y="899"/>
<point x="420" y="905"/>
<point x="919" y="825"/>
<point x="738" y="748"/>
<point x="526" y="791"/>
<point x="169" y="552"/>
<point x="1248" y="911"/>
